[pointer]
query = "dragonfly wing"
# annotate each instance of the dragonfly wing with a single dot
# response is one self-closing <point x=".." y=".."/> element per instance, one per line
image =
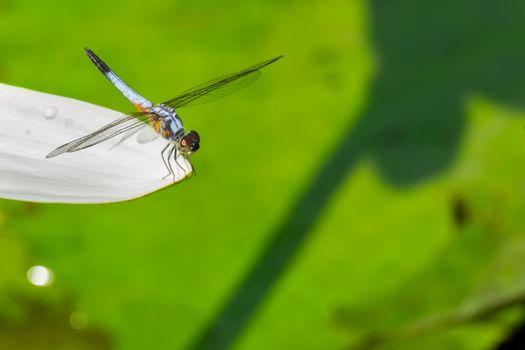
<point x="146" y="135"/>
<point x="219" y="87"/>
<point x="113" y="129"/>
<point x="130" y="133"/>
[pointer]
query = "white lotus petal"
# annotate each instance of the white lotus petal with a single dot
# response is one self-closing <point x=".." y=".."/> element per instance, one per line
<point x="35" y="123"/>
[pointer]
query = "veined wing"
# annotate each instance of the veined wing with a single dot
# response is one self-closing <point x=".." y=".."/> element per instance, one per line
<point x="119" y="126"/>
<point x="144" y="134"/>
<point x="219" y="87"/>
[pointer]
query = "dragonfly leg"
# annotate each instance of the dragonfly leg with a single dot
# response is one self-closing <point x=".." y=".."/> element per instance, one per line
<point x="173" y="150"/>
<point x="166" y="163"/>
<point x="180" y="166"/>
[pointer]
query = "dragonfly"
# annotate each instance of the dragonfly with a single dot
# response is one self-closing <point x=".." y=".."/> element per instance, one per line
<point x="162" y="117"/>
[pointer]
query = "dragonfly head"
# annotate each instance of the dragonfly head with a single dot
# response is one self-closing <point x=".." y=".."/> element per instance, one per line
<point x="189" y="143"/>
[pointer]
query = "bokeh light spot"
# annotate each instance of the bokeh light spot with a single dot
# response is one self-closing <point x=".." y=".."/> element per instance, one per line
<point x="78" y="320"/>
<point x="40" y="276"/>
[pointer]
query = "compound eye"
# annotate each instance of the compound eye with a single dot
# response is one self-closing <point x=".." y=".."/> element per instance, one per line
<point x="195" y="146"/>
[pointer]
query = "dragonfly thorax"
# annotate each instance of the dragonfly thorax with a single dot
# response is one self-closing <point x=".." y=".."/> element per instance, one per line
<point x="169" y="126"/>
<point x="163" y="110"/>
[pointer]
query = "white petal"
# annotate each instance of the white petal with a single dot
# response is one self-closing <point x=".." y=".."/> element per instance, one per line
<point x="35" y="123"/>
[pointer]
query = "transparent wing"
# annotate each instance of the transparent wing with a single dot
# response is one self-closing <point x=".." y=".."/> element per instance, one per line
<point x="119" y="126"/>
<point x="144" y="134"/>
<point x="218" y="87"/>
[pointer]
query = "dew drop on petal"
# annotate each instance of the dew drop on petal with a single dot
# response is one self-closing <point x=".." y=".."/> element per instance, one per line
<point x="40" y="276"/>
<point x="78" y="320"/>
<point x="50" y="113"/>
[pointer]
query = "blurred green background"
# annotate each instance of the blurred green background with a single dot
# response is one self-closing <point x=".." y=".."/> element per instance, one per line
<point x="366" y="192"/>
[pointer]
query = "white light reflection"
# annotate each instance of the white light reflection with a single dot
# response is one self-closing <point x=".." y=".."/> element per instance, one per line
<point x="40" y="276"/>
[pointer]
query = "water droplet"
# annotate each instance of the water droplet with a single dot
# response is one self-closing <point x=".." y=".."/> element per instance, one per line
<point x="28" y="132"/>
<point x="78" y="320"/>
<point x="40" y="276"/>
<point x="50" y="113"/>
